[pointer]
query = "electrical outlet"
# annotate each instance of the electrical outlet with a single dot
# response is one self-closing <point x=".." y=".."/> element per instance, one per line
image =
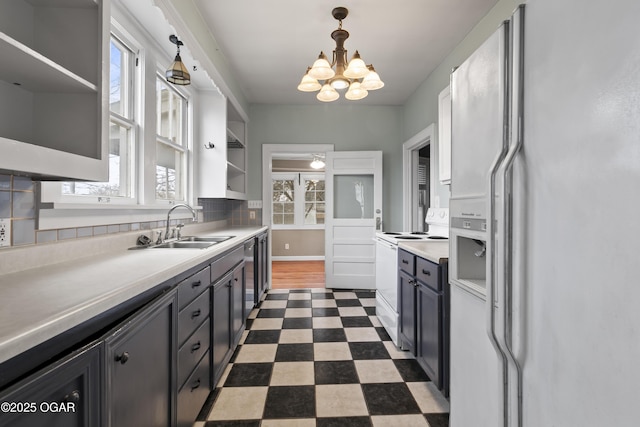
<point x="254" y="204"/>
<point x="5" y="232"/>
<point x="252" y="214"/>
<point x="286" y="246"/>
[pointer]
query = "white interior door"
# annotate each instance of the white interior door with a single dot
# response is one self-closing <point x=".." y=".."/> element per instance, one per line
<point x="353" y="213"/>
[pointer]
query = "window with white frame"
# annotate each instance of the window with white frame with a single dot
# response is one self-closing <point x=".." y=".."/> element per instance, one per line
<point x="122" y="127"/>
<point x="171" y="142"/>
<point x="298" y="200"/>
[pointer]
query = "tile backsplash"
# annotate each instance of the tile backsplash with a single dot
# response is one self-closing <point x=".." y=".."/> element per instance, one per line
<point x="18" y="196"/>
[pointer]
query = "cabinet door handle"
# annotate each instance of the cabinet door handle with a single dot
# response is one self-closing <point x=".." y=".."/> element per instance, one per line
<point x="426" y="272"/>
<point x="123" y="358"/>
<point x="404" y="261"/>
<point x="196" y="284"/>
<point x="196" y="384"/>
<point x="196" y="347"/>
<point x="196" y="313"/>
<point x="74" y="396"/>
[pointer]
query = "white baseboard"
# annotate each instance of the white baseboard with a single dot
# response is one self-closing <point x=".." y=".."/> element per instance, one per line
<point x="298" y="258"/>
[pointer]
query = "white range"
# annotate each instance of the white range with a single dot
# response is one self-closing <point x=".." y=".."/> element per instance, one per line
<point x="437" y="220"/>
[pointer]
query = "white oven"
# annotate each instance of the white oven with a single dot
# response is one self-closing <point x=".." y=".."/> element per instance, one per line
<point x="387" y="265"/>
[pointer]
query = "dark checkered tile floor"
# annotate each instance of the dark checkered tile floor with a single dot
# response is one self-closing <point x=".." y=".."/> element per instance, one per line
<point x="316" y="357"/>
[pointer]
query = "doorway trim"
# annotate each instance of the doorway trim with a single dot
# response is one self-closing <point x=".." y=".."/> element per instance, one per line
<point x="268" y="150"/>
<point x="410" y="174"/>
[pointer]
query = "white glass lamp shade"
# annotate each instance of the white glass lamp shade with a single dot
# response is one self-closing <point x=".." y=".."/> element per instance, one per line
<point x="309" y="84"/>
<point x="372" y="81"/>
<point x="321" y="69"/>
<point x="356" y="69"/>
<point x="317" y="163"/>
<point x="327" y="93"/>
<point x="356" y="92"/>
<point x="177" y="73"/>
<point x="339" y="82"/>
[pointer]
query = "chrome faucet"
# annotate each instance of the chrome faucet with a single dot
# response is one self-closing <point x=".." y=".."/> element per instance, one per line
<point x="195" y="216"/>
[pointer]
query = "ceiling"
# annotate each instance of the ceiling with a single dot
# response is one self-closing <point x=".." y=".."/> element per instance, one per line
<point x="269" y="44"/>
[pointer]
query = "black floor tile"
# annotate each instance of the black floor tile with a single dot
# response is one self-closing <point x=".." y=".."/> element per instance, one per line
<point x="366" y="294"/>
<point x="336" y="372"/>
<point x="356" y="322"/>
<point x="410" y="370"/>
<point x="249" y="375"/>
<point x="325" y="312"/>
<point x="294" y="353"/>
<point x="277" y="297"/>
<point x="389" y="399"/>
<point x="234" y="423"/>
<point x="371" y="311"/>
<point x="368" y="350"/>
<point x="263" y="337"/>
<point x="437" y="420"/>
<point x="297" y="323"/>
<point x="271" y="313"/>
<point x="299" y="303"/>
<point x="299" y="291"/>
<point x="344" y="422"/>
<point x="235" y="354"/>
<point x="322" y="295"/>
<point x="383" y="334"/>
<point x="348" y="303"/>
<point x="329" y="335"/>
<point x="290" y="402"/>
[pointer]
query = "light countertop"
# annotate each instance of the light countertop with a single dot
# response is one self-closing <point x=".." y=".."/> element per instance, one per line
<point x="42" y="302"/>
<point x="436" y="251"/>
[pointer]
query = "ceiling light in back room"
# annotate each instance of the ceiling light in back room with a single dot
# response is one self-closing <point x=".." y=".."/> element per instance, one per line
<point x="358" y="77"/>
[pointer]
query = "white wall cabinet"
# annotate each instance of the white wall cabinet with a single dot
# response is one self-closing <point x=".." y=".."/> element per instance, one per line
<point x="221" y="151"/>
<point x="444" y="136"/>
<point x="53" y="86"/>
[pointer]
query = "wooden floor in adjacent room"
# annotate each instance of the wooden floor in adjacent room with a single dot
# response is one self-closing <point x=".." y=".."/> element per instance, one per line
<point x="297" y="274"/>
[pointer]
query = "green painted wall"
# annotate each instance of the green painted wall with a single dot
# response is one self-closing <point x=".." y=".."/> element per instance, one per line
<point x="356" y="127"/>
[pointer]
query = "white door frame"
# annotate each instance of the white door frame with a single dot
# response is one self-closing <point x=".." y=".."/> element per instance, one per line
<point x="268" y="150"/>
<point x="410" y="174"/>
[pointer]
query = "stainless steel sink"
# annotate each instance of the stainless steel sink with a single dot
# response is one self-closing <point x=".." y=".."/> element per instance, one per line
<point x="215" y="239"/>
<point x="193" y="242"/>
<point x="184" y="245"/>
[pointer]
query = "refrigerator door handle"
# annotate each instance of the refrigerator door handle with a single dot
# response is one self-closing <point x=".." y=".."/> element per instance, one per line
<point x="491" y="249"/>
<point x="505" y="234"/>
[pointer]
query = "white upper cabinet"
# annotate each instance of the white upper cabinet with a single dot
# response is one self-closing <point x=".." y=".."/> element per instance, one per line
<point x="53" y="86"/>
<point x="444" y="136"/>
<point x="221" y="150"/>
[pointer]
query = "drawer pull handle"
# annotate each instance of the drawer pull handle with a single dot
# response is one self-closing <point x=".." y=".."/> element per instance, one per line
<point x="427" y="272"/>
<point x="196" y="284"/>
<point x="196" y="384"/>
<point x="123" y="358"/>
<point x="74" y="396"/>
<point x="196" y="314"/>
<point x="404" y="261"/>
<point x="196" y="347"/>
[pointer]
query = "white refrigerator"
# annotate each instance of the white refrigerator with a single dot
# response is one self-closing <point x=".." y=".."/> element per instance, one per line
<point x="545" y="215"/>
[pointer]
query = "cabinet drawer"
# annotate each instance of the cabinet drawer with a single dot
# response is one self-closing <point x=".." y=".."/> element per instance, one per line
<point x="194" y="393"/>
<point x="193" y="286"/>
<point x="220" y="266"/>
<point x="427" y="273"/>
<point x="192" y="350"/>
<point x="406" y="262"/>
<point x="192" y="316"/>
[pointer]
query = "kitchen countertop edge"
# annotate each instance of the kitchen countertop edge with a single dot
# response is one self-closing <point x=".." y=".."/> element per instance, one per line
<point x="41" y="303"/>
<point x="437" y="252"/>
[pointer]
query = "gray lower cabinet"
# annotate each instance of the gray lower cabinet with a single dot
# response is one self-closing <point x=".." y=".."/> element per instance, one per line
<point x="423" y="314"/>
<point x="221" y="326"/>
<point x="65" y="394"/>
<point x="140" y="367"/>
<point x="262" y="265"/>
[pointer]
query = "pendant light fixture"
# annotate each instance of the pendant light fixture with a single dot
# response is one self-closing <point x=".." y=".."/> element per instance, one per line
<point x="177" y="73"/>
<point x="358" y="77"/>
<point x="317" y="162"/>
